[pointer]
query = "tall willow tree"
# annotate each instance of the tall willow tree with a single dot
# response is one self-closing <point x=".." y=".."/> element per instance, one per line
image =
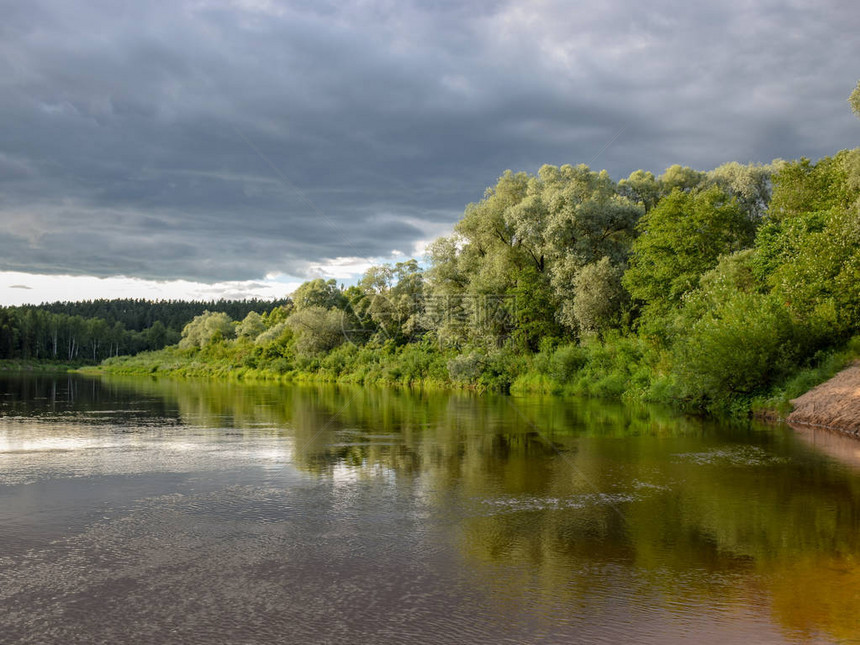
<point x="487" y="260"/>
<point x="587" y="219"/>
<point x="527" y="241"/>
<point x="390" y="298"/>
<point x="208" y="327"/>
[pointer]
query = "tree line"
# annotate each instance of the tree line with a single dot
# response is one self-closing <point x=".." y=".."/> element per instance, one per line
<point x="93" y="330"/>
<point x="704" y="288"/>
<point x="708" y="289"/>
<point x="138" y="314"/>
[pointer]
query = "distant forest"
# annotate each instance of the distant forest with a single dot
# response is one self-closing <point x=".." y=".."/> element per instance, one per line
<point x="92" y="330"/>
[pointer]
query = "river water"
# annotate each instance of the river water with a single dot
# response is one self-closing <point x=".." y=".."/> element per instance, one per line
<point x="159" y="511"/>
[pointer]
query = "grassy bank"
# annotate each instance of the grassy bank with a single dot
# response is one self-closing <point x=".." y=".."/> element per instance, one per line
<point x="26" y="365"/>
<point x="391" y="366"/>
<point x="727" y="292"/>
<point x="624" y="368"/>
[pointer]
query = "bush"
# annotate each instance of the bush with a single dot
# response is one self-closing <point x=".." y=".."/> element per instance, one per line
<point x="317" y="330"/>
<point x="599" y="297"/>
<point x="736" y="350"/>
<point x="465" y="368"/>
<point x="208" y="327"/>
<point x="565" y="362"/>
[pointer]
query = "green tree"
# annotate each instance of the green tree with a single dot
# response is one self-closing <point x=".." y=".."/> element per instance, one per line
<point x="317" y="330"/>
<point x="750" y="184"/>
<point x="743" y="345"/>
<point x="279" y="332"/>
<point x="251" y="326"/>
<point x="641" y="188"/>
<point x="681" y="178"/>
<point x="392" y="299"/>
<point x="207" y="328"/>
<point x="808" y="250"/>
<point x="156" y="335"/>
<point x="494" y="254"/>
<point x="587" y="220"/>
<point x="527" y="240"/>
<point x="318" y="293"/>
<point x="599" y="296"/>
<point x="679" y="240"/>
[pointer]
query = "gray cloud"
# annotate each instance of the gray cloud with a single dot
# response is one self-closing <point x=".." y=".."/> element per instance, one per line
<point x="223" y="140"/>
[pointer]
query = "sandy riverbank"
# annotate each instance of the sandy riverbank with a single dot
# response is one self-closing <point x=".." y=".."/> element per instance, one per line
<point x="834" y="404"/>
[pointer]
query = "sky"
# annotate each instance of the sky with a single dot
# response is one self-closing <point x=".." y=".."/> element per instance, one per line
<point x="209" y="148"/>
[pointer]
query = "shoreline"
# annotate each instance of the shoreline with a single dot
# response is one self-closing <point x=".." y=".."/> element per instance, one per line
<point x="833" y="405"/>
<point x="31" y="365"/>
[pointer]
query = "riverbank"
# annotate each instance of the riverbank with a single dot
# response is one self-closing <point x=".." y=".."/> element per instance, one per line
<point x="23" y="365"/>
<point x="590" y="371"/>
<point x="835" y="404"/>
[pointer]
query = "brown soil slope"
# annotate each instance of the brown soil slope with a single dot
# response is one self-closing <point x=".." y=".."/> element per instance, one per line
<point x="833" y="404"/>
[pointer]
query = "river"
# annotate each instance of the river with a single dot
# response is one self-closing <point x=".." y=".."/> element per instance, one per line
<point x="137" y="510"/>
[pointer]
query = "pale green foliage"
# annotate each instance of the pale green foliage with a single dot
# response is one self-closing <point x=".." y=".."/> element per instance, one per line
<point x="492" y="252"/>
<point x="207" y="328"/>
<point x="683" y="178"/>
<point x="599" y="297"/>
<point x="446" y="273"/>
<point x="392" y="298"/>
<point x="854" y="100"/>
<point x="485" y="256"/>
<point x="586" y="219"/>
<point x="252" y="326"/>
<point x="317" y="330"/>
<point x="448" y="278"/>
<point x="273" y="333"/>
<point x="529" y="238"/>
<point x="563" y="281"/>
<point x="642" y="188"/>
<point x="318" y="293"/>
<point x="750" y="184"/>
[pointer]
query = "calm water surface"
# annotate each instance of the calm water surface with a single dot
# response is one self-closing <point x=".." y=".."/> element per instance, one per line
<point x="155" y="511"/>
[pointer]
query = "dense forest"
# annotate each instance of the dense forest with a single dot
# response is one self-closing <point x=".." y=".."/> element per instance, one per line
<point x="139" y="314"/>
<point x="92" y="330"/>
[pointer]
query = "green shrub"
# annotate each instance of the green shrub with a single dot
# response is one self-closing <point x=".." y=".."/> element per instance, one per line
<point x="565" y="362"/>
<point x="466" y="368"/>
<point x="736" y="350"/>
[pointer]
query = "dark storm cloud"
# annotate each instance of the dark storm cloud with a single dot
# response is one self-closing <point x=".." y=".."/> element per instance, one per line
<point x="218" y="140"/>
